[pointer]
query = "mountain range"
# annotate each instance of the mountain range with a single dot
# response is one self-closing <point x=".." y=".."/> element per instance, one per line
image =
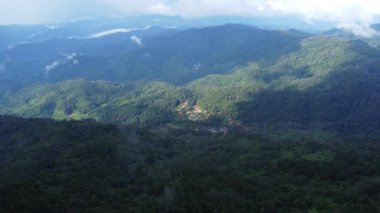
<point x="229" y="74"/>
<point x="142" y="115"/>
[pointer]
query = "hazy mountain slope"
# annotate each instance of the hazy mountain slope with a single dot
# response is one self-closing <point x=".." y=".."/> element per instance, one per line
<point x="15" y="34"/>
<point x="192" y="54"/>
<point x="152" y="54"/>
<point x="32" y="62"/>
<point x="52" y="48"/>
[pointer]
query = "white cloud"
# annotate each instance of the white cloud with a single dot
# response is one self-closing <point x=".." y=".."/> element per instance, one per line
<point x="201" y="8"/>
<point x="118" y="30"/>
<point x="355" y="15"/>
<point x="47" y="11"/>
<point x="35" y="11"/>
<point x="56" y="63"/>
<point x="51" y="66"/>
<point x="362" y="30"/>
<point x="53" y="27"/>
<point x="136" y="40"/>
<point x="160" y="8"/>
<point x="110" y="32"/>
<point x="68" y="56"/>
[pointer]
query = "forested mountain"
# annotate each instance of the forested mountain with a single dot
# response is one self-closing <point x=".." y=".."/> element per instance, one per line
<point x="140" y="103"/>
<point x="50" y="166"/>
<point x="142" y="115"/>
<point x="327" y="81"/>
<point x="226" y="75"/>
<point x="150" y="54"/>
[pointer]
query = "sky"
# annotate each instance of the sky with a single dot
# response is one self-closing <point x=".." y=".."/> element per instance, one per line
<point x="354" y="15"/>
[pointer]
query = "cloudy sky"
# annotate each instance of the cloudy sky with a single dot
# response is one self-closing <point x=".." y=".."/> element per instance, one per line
<point x="355" y="15"/>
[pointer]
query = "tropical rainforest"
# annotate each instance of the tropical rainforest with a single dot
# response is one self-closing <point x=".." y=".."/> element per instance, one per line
<point x="83" y="166"/>
<point x="229" y="118"/>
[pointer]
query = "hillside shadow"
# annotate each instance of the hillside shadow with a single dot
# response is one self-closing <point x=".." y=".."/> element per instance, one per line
<point x="346" y="101"/>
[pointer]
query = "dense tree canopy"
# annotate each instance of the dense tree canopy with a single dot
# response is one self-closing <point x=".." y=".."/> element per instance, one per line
<point x="49" y="166"/>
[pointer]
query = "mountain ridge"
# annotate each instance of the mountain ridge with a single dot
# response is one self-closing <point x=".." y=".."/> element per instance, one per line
<point x="296" y="83"/>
